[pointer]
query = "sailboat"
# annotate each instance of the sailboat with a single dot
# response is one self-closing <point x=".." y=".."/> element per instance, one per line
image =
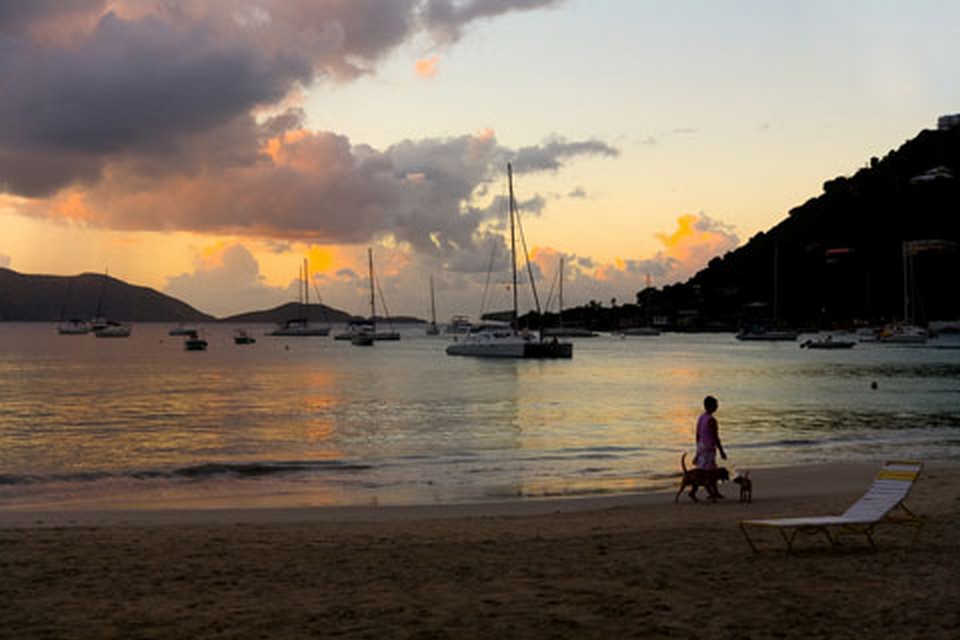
<point x="301" y="326"/>
<point x="71" y="326"/>
<point x="906" y="332"/>
<point x="432" y="328"/>
<point x="103" y="328"/>
<point x="561" y="331"/>
<point x="363" y="334"/>
<point x="762" y="333"/>
<point x="492" y="341"/>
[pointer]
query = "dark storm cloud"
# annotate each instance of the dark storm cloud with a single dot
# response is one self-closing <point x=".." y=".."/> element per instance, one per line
<point x="133" y="86"/>
<point x="19" y="16"/>
<point x="82" y="89"/>
<point x="447" y="18"/>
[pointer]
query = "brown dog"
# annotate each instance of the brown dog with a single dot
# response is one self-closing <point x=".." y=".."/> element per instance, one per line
<point x="696" y="478"/>
<point x="746" y="486"/>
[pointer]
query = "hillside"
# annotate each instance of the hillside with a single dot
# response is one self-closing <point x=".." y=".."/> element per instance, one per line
<point x="316" y="313"/>
<point x="320" y="313"/>
<point x="26" y="297"/>
<point x="837" y="259"/>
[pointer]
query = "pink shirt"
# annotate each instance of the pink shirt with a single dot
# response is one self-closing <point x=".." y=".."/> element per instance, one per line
<point x="706" y="442"/>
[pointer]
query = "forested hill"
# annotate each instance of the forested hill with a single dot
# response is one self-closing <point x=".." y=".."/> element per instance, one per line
<point x="26" y="297"/>
<point x="836" y="259"/>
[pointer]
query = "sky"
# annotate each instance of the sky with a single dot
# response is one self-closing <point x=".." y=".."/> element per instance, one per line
<point x="205" y="148"/>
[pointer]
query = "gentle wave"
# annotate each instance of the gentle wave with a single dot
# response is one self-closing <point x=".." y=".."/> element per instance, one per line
<point x="193" y="472"/>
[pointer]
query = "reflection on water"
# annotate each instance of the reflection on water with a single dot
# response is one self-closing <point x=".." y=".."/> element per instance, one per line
<point x="314" y="421"/>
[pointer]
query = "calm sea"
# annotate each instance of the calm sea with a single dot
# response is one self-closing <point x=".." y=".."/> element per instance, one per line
<point x="89" y="423"/>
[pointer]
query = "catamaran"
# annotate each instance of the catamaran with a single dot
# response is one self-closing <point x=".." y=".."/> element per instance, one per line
<point x="508" y="341"/>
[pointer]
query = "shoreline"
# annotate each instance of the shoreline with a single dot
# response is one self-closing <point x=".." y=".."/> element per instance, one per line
<point x="770" y="484"/>
<point x="627" y="566"/>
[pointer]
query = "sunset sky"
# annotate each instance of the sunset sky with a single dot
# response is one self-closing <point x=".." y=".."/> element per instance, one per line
<point x="204" y="148"/>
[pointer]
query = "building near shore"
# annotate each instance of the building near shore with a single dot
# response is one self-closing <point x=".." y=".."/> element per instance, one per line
<point x="945" y="123"/>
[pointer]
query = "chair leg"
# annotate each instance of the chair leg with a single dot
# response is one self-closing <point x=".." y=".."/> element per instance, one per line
<point x="743" y="529"/>
<point x="868" y="531"/>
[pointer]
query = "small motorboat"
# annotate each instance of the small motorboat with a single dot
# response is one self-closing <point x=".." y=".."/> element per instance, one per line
<point x="240" y="336"/>
<point x="827" y="343"/>
<point x="194" y="342"/>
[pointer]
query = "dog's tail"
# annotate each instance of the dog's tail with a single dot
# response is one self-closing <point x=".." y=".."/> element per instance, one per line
<point x="683" y="461"/>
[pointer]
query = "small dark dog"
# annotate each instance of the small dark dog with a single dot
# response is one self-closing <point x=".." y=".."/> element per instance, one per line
<point x="746" y="486"/>
<point x="696" y="478"/>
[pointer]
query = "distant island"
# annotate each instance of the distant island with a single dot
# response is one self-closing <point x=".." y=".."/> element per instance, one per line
<point x="47" y="298"/>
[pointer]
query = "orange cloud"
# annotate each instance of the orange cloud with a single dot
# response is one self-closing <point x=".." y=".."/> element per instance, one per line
<point x="281" y="149"/>
<point x="697" y="239"/>
<point x="212" y="255"/>
<point x="324" y="259"/>
<point x="427" y="67"/>
<point x="72" y="205"/>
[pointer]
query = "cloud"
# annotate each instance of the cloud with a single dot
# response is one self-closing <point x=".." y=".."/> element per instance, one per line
<point x="91" y="84"/>
<point x="433" y="195"/>
<point x="697" y="239"/>
<point x="4" y="260"/>
<point x="427" y="67"/>
<point x="549" y="155"/>
<point x="687" y="250"/>
<point x="446" y="19"/>
<point x="226" y="279"/>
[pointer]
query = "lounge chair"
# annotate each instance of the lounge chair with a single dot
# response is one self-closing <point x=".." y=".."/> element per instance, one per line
<point x="881" y="504"/>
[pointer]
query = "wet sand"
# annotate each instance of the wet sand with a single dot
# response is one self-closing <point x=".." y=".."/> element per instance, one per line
<point x="608" y="567"/>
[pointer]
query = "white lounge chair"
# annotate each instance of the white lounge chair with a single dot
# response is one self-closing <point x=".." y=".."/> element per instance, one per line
<point x="881" y="504"/>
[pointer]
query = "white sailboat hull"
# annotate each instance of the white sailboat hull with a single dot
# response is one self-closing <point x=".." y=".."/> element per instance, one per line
<point x="300" y="331"/>
<point x="508" y="344"/>
<point x="488" y="349"/>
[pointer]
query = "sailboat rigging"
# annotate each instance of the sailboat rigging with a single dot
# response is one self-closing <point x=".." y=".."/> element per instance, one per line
<point x="364" y="333"/>
<point x="561" y="331"/>
<point x="301" y="326"/>
<point x="71" y="326"/>
<point x="103" y="328"/>
<point x="509" y="342"/>
<point x="432" y="329"/>
<point x="775" y="334"/>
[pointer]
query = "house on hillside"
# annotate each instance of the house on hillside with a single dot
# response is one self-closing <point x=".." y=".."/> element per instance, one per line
<point x="948" y="122"/>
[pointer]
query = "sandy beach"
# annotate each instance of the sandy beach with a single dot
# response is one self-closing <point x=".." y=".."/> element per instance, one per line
<point x="606" y="567"/>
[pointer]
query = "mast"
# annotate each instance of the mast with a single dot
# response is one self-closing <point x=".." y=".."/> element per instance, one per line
<point x="560" y="310"/>
<point x="513" y="249"/>
<point x="103" y="288"/>
<point x="66" y="299"/>
<point x="906" y="286"/>
<point x="306" y="292"/>
<point x="776" y="264"/>
<point x="433" y="306"/>
<point x="373" y="299"/>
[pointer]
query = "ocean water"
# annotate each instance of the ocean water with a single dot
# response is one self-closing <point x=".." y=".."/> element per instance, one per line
<point x="140" y="422"/>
